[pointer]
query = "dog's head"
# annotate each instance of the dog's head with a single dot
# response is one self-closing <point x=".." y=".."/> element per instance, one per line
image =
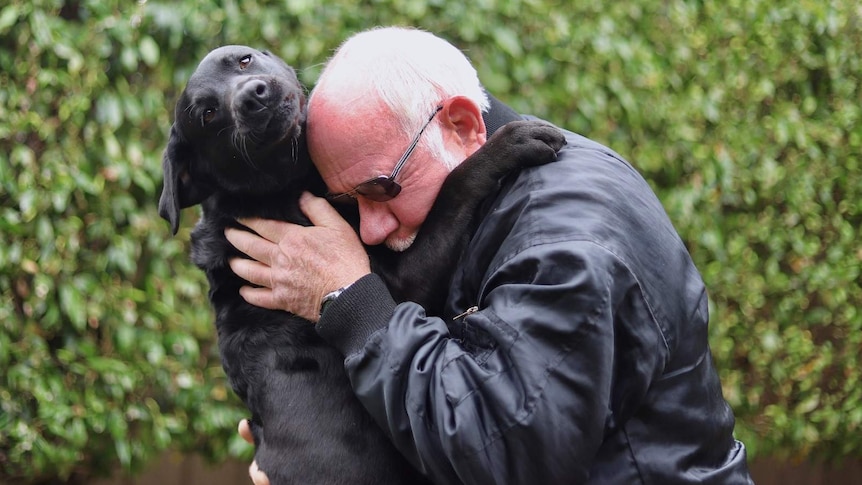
<point x="237" y="128"/>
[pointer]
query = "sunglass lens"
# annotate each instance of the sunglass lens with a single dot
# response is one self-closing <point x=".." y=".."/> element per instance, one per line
<point x="379" y="190"/>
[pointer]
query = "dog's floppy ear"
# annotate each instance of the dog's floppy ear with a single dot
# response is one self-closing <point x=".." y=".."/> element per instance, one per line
<point x="179" y="190"/>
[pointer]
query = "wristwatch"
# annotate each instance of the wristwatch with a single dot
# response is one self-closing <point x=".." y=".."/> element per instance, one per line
<point x="330" y="297"/>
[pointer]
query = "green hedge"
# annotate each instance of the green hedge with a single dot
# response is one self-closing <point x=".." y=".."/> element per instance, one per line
<point x="744" y="115"/>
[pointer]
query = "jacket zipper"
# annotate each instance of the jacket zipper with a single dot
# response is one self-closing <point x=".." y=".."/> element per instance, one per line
<point x="469" y="311"/>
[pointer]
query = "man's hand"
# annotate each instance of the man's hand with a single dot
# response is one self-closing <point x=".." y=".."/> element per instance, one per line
<point x="295" y="266"/>
<point x="257" y="476"/>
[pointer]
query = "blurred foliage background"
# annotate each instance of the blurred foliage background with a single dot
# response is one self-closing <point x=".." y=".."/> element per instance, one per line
<point x="744" y="115"/>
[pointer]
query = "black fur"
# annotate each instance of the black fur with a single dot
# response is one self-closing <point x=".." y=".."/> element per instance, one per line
<point x="237" y="147"/>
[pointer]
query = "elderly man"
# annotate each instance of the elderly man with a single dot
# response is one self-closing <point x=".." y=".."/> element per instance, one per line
<point x="573" y="347"/>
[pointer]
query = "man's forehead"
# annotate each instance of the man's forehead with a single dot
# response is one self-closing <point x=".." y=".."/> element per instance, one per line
<point x="357" y="124"/>
<point x="351" y="154"/>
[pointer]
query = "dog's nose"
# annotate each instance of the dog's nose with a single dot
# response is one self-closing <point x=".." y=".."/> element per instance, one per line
<point x="253" y="95"/>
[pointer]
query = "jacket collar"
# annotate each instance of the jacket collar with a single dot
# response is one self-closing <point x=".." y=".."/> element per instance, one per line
<point x="498" y="115"/>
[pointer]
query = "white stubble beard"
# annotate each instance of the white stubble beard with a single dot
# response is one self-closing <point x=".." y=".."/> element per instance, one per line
<point x="401" y="244"/>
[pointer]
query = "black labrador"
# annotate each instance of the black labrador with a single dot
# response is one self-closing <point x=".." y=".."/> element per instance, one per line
<point x="237" y="147"/>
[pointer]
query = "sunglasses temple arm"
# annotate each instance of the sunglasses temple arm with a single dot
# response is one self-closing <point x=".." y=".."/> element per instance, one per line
<point x="413" y="144"/>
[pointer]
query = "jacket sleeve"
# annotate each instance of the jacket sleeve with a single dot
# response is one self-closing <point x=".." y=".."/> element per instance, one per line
<point x="521" y="394"/>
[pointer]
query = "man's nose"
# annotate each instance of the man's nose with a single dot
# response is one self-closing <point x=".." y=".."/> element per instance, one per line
<point x="376" y="222"/>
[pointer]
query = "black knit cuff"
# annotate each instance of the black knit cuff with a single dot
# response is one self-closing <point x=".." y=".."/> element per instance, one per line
<point x="362" y="309"/>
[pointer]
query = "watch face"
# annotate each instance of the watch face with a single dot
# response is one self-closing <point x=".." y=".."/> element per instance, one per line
<point x="329" y="298"/>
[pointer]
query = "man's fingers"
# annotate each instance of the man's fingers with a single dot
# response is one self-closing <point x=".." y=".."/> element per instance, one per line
<point x="245" y="431"/>
<point x="258" y="274"/>
<point x="261" y="297"/>
<point x="252" y="245"/>
<point x="269" y="229"/>
<point x="252" y="271"/>
<point x="257" y="476"/>
<point x="319" y="211"/>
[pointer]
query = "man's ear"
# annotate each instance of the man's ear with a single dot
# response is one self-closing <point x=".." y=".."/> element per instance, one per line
<point x="179" y="190"/>
<point x="466" y="117"/>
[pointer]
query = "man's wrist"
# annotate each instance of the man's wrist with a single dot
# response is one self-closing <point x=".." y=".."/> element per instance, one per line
<point x="330" y="297"/>
<point x="361" y="310"/>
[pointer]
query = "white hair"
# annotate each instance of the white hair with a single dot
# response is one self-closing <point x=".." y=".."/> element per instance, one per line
<point x="410" y="71"/>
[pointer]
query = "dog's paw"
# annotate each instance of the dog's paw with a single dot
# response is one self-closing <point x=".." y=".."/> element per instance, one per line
<point x="528" y="143"/>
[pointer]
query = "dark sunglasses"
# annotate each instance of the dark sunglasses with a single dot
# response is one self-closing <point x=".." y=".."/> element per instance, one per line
<point x="383" y="187"/>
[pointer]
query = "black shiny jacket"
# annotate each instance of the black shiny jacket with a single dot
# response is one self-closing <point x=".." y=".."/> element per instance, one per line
<point x="574" y="348"/>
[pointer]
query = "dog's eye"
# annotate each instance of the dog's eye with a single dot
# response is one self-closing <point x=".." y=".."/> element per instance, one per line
<point x="207" y="116"/>
<point x="245" y="61"/>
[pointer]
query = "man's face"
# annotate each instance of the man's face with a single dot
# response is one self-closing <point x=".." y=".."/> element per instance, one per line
<point x="348" y="152"/>
<point x="349" y="149"/>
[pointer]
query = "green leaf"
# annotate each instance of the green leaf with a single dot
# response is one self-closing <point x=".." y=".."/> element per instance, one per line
<point x="74" y="306"/>
<point x="149" y="51"/>
<point x="508" y="40"/>
<point x="8" y="17"/>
